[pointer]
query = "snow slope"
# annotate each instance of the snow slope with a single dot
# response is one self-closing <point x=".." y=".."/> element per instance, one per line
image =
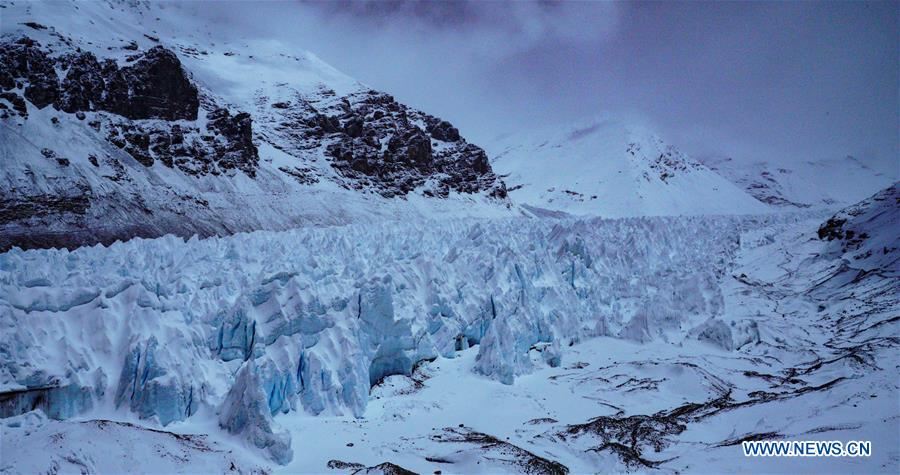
<point x="609" y="168"/>
<point x="826" y="183"/>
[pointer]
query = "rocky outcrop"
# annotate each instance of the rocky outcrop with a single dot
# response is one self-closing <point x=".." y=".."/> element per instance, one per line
<point x="154" y="87"/>
<point x="397" y="149"/>
<point x="23" y="60"/>
<point x="223" y="146"/>
<point x="865" y="234"/>
<point x="377" y="144"/>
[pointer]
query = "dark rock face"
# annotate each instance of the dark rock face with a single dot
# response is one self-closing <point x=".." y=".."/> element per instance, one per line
<point x="376" y="142"/>
<point x="225" y="145"/>
<point x="443" y="131"/>
<point x="24" y="59"/>
<point x="155" y="87"/>
<point x="235" y="148"/>
<point x="83" y="86"/>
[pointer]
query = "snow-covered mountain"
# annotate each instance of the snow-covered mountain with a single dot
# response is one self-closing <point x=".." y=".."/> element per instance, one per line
<point x="122" y="119"/>
<point x="607" y="167"/>
<point x="826" y="183"/>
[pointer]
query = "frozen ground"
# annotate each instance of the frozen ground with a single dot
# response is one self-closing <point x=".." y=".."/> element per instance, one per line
<point x="491" y="346"/>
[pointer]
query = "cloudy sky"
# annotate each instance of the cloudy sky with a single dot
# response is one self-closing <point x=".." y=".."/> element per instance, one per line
<point x="778" y="81"/>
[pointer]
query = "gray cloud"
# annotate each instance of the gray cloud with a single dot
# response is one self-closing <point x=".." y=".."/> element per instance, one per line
<point x="779" y="81"/>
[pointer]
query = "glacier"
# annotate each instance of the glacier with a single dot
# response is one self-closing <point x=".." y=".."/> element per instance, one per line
<point x="326" y="313"/>
<point x="274" y="334"/>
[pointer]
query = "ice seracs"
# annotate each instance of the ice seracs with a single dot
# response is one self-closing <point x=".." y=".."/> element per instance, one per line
<point x="246" y="413"/>
<point x="157" y="326"/>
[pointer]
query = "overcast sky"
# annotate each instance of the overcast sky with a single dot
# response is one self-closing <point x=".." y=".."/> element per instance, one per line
<point x="777" y="81"/>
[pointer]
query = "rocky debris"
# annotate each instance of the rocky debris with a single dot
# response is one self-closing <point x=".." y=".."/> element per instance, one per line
<point x="386" y="468"/>
<point x="631" y="437"/>
<point x="541" y="420"/>
<point x="50" y="154"/>
<point x="303" y="175"/>
<point x="34" y="25"/>
<point x="341" y="465"/>
<point x="502" y="451"/>
<point x="669" y="163"/>
<point x="36" y="206"/>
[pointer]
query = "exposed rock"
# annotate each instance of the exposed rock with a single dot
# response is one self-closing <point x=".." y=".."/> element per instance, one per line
<point x="18" y="104"/>
<point x="341" y="465"/>
<point x="386" y="468"/>
<point x="235" y="148"/>
<point x="83" y="86"/>
<point x="24" y="59"/>
<point x="489" y="447"/>
<point x="154" y="87"/>
<point x="443" y="130"/>
<point x="371" y="119"/>
<point x="29" y="207"/>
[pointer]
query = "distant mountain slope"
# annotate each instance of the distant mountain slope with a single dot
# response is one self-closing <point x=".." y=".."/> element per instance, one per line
<point x="122" y="119"/>
<point x="610" y="168"/>
<point x="810" y="184"/>
<point x="867" y="234"/>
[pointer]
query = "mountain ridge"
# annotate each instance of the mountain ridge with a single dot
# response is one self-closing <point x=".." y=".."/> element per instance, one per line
<point x="111" y="139"/>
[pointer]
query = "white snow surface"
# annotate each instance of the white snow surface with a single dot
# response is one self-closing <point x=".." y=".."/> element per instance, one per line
<point x="608" y="167"/>
<point x="825" y="183"/>
<point x="477" y="346"/>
